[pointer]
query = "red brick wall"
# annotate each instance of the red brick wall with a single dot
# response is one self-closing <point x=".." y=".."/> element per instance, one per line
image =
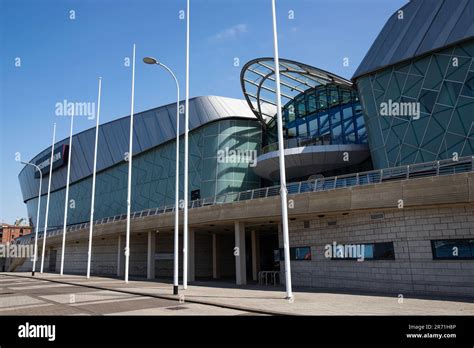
<point x="12" y="232"/>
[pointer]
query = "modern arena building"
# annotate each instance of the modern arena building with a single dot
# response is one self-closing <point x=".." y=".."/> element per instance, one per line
<point x="384" y="161"/>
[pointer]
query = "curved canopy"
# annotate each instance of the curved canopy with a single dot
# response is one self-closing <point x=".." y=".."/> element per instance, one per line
<point x="258" y="83"/>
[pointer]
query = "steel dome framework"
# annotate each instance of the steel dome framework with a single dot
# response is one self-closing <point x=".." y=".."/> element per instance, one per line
<point x="258" y="83"/>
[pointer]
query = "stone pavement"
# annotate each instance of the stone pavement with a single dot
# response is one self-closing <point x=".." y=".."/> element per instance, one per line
<point x="214" y="298"/>
<point x="27" y="296"/>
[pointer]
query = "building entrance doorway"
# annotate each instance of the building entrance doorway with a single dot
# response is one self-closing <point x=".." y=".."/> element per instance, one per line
<point x="268" y="244"/>
<point x="52" y="260"/>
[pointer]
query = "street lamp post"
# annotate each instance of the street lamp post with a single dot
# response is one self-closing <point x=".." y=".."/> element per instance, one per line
<point x="37" y="214"/>
<point x="150" y="60"/>
<point x="281" y="154"/>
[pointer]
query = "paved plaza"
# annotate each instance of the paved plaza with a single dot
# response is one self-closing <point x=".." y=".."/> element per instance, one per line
<point x="52" y="294"/>
<point x="27" y="296"/>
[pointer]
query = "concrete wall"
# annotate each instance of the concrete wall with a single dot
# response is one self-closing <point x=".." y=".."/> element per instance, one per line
<point x="103" y="260"/>
<point x="203" y="255"/>
<point x="410" y="230"/>
<point x="104" y="256"/>
<point x="164" y="245"/>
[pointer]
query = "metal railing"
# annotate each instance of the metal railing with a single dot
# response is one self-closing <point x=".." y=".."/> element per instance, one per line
<point x="413" y="171"/>
<point x="265" y="276"/>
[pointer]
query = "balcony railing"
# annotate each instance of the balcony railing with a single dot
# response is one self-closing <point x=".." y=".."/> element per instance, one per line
<point x="413" y="171"/>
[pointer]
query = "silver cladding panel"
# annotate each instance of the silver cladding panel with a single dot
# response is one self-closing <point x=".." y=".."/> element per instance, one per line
<point x="427" y="25"/>
<point x="308" y="160"/>
<point x="151" y="128"/>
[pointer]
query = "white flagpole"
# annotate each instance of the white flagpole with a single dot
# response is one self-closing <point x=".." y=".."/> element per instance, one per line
<point x="129" y="193"/>
<point x="186" y="154"/>
<point x="66" y="199"/>
<point x="37" y="215"/>
<point x="281" y="150"/>
<point x="37" y="221"/>
<point x="91" y="223"/>
<point x="47" y="199"/>
<point x="176" y="209"/>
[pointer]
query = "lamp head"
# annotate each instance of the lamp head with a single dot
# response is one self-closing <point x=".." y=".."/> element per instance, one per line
<point x="150" y="60"/>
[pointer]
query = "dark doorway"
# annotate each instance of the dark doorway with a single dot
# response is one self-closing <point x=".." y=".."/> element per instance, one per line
<point x="248" y="255"/>
<point x="268" y="243"/>
<point x="225" y="257"/>
<point x="52" y="260"/>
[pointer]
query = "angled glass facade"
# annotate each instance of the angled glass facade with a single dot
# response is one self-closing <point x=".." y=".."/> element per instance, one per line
<point x="331" y="113"/>
<point x="324" y="115"/>
<point x="153" y="175"/>
<point x="443" y="84"/>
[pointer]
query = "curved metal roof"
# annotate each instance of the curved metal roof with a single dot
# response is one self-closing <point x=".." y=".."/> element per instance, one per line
<point x="258" y="83"/>
<point x="426" y="26"/>
<point x="151" y="128"/>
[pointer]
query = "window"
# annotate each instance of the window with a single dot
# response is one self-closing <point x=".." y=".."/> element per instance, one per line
<point x="291" y="132"/>
<point x="324" y="125"/>
<point x="453" y="249"/>
<point x="302" y="253"/>
<point x="346" y="96"/>
<point x="291" y="112"/>
<point x="313" y="126"/>
<point x="347" y="112"/>
<point x="296" y="254"/>
<point x="322" y="100"/>
<point x="333" y="97"/>
<point x="302" y="130"/>
<point x="300" y="106"/>
<point x="312" y="102"/>
<point x="336" y="126"/>
<point x="372" y="251"/>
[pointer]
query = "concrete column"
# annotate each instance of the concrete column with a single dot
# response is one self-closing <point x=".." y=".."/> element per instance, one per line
<point x="239" y="253"/>
<point x="150" y="269"/>
<point x="255" y="255"/>
<point x="119" y="255"/>
<point x="191" y="263"/>
<point x="214" y="256"/>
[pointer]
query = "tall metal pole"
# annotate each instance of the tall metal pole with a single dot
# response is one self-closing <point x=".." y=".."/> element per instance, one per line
<point x="176" y="214"/>
<point x="186" y="155"/>
<point x="151" y="60"/>
<point x="130" y="155"/>
<point x="91" y="223"/>
<point x="281" y="154"/>
<point x="66" y="199"/>
<point x="47" y="199"/>
<point x="37" y="216"/>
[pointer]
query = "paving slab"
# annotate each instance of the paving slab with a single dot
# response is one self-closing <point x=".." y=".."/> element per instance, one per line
<point x="266" y="300"/>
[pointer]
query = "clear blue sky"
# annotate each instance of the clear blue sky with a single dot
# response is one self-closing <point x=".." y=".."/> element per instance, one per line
<point x="62" y="58"/>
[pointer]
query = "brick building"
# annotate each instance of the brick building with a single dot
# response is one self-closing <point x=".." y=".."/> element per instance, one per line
<point x="10" y="232"/>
